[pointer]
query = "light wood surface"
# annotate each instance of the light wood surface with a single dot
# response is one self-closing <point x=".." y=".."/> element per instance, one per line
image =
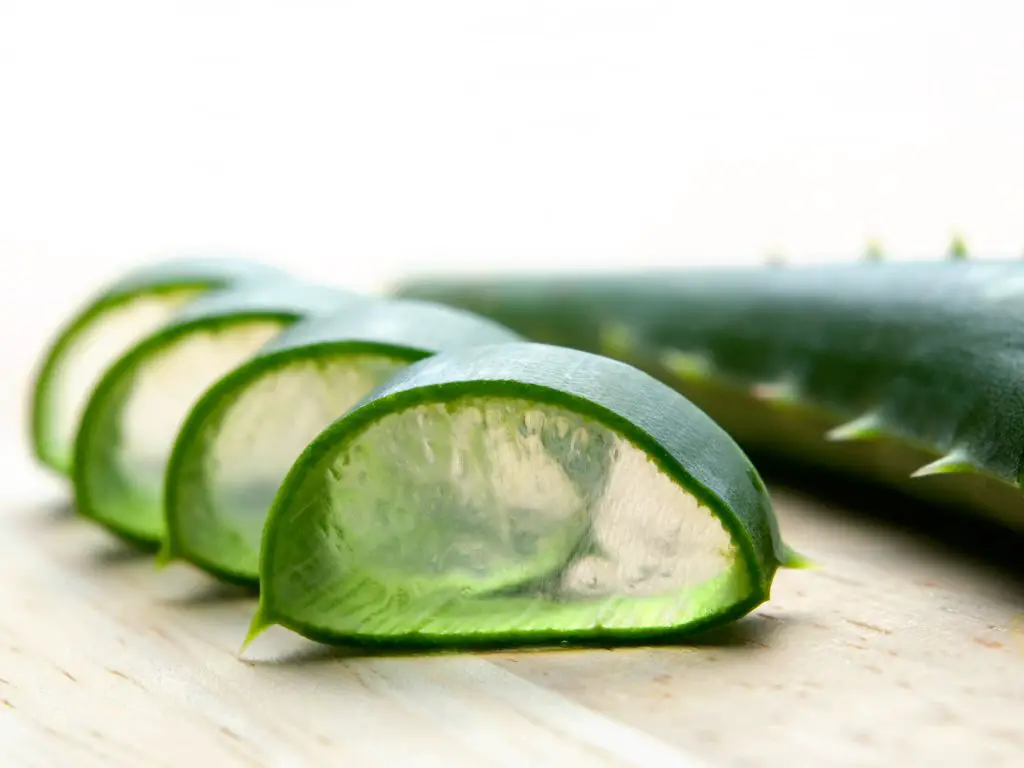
<point x="897" y="651"/>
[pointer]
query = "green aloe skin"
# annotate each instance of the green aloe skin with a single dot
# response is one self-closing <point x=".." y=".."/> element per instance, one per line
<point x="905" y="374"/>
<point x="108" y="324"/>
<point x="244" y="433"/>
<point x="133" y="415"/>
<point x="458" y="504"/>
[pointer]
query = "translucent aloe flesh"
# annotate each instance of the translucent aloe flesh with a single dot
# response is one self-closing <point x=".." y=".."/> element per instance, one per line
<point x="246" y="431"/>
<point x="108" y="325"/>
<point x="134" y="414"/>
<point x="517" y="492"/>
<point x="908" y="374"/>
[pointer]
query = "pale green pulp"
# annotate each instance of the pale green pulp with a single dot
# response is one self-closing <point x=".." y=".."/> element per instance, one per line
<point x="233" y="459"/>
<point x="85" y="355"/>
<point x="127" y="438"/>
<point x="494" y="515"/>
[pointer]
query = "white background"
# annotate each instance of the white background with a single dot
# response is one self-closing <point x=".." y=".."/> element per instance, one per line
<point x="357" y="141"/>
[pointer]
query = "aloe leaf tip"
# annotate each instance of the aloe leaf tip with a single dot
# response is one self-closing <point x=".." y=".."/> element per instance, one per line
<point x="260" y="622"/>
<point x="792" y="559"/>
<point x="165" y="556"/>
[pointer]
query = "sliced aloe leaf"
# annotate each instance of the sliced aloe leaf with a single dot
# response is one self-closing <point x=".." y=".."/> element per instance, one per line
<point x="102" y="330"/>
<point x="438" y="512"/>
<point x="133" y="416"/>
<point x="244" y="433"/>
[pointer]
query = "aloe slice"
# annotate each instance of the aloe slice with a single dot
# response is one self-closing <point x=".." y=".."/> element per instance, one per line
<point x="132" y="418"/>
<point x="448" y="508"/>
<point x="245" y="432"/>
<point x="101" y="331"/>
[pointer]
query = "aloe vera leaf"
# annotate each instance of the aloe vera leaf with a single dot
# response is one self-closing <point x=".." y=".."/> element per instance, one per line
<point x="373" y="539"/>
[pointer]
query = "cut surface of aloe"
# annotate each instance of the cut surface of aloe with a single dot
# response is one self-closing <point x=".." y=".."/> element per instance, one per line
<point x="517" y="492"/>
<point x="134" y="414"/>
<point x="246" y="431"/>
<point x="106" y="327"/>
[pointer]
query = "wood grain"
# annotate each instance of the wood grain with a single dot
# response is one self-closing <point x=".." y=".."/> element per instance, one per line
<point x="895" y="651"/>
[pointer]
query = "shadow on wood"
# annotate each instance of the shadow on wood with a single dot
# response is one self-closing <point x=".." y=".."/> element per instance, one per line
<point x="751" y="633"/>
<point x="214" y="593"/>
<point x="117" y="552"/>
<point x="54" y="513"/>
<point x="839" y="498"/>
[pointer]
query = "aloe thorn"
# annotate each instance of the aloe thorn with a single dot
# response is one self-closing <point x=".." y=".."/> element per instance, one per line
<point x="866" y="427"/>
<point x="956" y="461"/>
<point x="783" y="392"/>
<point x="686" y="365"/>
<point x="957" y="249"/>
<point x="874" y="251"/>
<point x="617" y="340"/>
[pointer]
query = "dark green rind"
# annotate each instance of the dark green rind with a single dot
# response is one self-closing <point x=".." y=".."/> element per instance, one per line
<point x="161" y="277"/>
<point x="405" y="330"/>
<point x="934" y="350"/>
<point x="681" y="439"/>
<point x="286" y="300"/>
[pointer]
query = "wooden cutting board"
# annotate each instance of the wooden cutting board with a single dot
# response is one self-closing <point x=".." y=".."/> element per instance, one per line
<point x="897" y="651"/>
